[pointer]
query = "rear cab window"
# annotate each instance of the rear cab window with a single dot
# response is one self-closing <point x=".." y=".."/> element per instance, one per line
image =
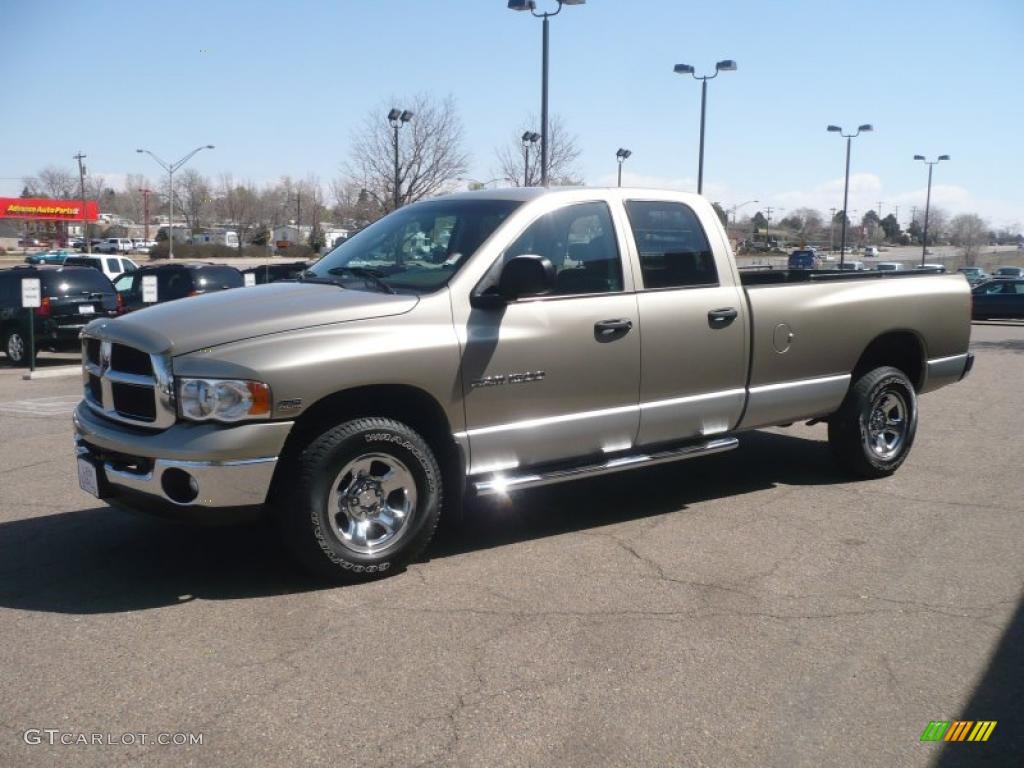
<point x="65" y="282"/>
<point x="217" y="278"/>
<point x="673" y="248"/>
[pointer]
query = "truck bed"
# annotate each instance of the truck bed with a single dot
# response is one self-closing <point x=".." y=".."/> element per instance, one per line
<point x="771" y="276"/>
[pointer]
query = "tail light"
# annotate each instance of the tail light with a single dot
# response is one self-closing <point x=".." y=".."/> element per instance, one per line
<point x="120" y="304"/>
<point x="43" y="310"/>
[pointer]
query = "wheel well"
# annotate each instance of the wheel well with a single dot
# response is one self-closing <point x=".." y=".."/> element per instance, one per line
<point x="407" y="404"/>
<point x="900" y="349"/>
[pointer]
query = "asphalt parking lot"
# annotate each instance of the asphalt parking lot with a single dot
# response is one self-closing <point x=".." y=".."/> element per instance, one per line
<point x="749" y="609"/>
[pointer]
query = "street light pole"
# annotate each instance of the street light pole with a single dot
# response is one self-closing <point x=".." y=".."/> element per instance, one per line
<point x="81" y="180"/>
<point x="928" y="200"/>
<point x="622" y="156"/>
<point x="171" y="168"/>
<point x="531" y="6"/>
<point x="726" y="65"/>
<point x="145" y="209"/>
<point x="865" y="128"/>
<point x="738" y="206"/>
<point x="398" y="118"/>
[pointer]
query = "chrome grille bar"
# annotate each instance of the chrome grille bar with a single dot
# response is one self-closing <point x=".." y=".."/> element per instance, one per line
<point x="161" y="384"/>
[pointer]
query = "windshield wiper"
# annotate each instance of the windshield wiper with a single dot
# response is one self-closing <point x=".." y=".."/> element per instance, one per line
<point x="369" y="275"/>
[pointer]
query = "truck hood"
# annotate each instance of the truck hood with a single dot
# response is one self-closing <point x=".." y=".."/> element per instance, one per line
<point x="185" y="325"/>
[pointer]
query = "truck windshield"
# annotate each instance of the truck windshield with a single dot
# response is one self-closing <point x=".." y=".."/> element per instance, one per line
<point x="416" y="249"/>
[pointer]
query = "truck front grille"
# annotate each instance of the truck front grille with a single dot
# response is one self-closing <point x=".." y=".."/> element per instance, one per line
<point x="128" y="385"/>
<point x="129" y="360"/>
<point x="134" y="402"/>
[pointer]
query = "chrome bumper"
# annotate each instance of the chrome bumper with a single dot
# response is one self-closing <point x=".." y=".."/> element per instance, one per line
<point x="239" y="483"/>
<point x="189" y="471"/>
<point x="947" y="370"/>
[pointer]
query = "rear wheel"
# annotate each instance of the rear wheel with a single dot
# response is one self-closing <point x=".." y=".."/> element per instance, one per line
<point x="365" y="500"/>
<point x="872" y="432"/>
<point x="15" y="346"/>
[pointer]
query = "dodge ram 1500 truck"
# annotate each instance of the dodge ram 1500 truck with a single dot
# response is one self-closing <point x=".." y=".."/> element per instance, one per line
<point x="492" y="341"/>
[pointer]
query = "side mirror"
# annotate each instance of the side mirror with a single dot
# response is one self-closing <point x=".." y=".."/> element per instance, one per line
<point x="522" y="276"/>
<point x="528" y="275"/>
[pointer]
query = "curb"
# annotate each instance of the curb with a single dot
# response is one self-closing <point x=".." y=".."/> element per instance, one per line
<point x="52" y="373"/>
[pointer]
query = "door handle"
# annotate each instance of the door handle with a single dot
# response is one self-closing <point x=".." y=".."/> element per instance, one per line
<point x="608" y="330"/>
<point x="719" y="318"/>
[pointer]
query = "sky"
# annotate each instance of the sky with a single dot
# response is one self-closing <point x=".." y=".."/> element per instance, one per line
<point x="279" y="88"/>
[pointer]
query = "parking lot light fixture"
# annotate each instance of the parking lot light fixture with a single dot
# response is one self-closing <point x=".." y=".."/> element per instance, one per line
<point x="171" y="168"/>
<point x="531" y="6"/>
<point x="398" y="118"/>
<point x="928" y="200"/>
<point x="622" y="156"/>
<point x="529" y="137"/>
<point x="864" y="128"/>
<point x="725" y="65"/>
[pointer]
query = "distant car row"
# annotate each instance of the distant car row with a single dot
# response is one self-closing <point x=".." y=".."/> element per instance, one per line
<point x="111" y="266"/>
<point x="116" y="245"/>
<point x="809" y="259"/>
<point x="82" y="289"/>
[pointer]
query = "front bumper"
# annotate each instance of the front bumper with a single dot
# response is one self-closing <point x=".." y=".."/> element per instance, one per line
<point x="203" y="472"/>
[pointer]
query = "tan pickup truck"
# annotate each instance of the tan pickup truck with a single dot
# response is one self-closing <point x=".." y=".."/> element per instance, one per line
<point x="493" y="341"/>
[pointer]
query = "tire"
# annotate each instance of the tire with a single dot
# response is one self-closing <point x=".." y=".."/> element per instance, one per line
<point x="15" y="347"/>
<point x="873" y="431"/>
<point x="339" y="518"/>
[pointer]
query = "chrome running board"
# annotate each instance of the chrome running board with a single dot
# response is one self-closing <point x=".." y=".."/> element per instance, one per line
<point x="500" y="482"/>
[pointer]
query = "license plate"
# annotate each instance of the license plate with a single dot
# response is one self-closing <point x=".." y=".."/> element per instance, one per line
<point x="88" y="478"/>
<point x="86" y="309"/>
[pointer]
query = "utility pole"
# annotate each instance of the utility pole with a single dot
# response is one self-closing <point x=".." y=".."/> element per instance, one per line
<point x="832" y="230"/>
<point x="768" y="222"/>
<point x="145" y="209"/>
<point x="81" y="180"/>
<point x="896" y="215"/>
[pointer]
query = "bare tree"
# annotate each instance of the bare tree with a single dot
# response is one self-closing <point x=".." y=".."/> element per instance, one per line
<point x="430" y="150"/>
<point x="238" y="205"/>
<point x="193" y="197"/>
<point x="54" y="182"/>
<point x="969" y="231"/>
<point x="938" y="222"/>
<point x="563" y="152"/>
<point x="353" y="206"/>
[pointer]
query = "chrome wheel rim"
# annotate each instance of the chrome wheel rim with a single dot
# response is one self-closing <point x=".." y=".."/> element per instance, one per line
<point x="373" y="500"/>
<point x="886" y="425"/>
<point x="15" y="347"/>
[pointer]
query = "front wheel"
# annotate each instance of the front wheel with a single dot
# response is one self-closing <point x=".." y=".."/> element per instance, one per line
<point x="364" y="500"/>
<point x="16" y="347"/>
<point x="872" y="432"/>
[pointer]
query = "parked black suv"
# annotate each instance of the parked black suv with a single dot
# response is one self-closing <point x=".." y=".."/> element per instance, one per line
<point x="270" y="273"/>
<point x="71" y="298"/>
<point x="176" y="280"/>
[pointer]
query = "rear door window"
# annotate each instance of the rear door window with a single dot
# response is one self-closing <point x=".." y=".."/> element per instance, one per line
<point x="113" y="265"/>
<point x="674" y="251"/>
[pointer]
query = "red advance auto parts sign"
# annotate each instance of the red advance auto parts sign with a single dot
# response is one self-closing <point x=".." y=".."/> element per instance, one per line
<point x="44" y="208"/>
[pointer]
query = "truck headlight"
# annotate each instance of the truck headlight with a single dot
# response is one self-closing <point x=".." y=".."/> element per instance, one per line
<point x="223" y="399"/>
